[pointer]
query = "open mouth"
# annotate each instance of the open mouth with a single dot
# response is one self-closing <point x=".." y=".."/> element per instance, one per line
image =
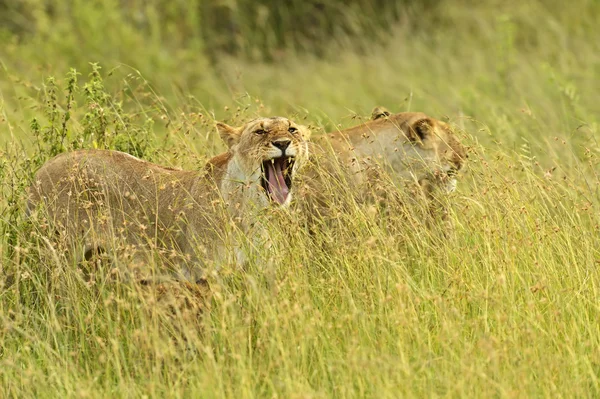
<point x="277" y="178"/>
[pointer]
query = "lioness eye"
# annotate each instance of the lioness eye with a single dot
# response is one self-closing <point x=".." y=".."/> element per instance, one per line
<point x="260" y="131"/>
<point x="292" y="130"/>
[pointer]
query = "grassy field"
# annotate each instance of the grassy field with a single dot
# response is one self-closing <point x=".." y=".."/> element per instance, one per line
<point x="505" y="304"/>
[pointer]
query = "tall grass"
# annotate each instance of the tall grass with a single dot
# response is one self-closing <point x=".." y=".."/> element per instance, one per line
<point x="375" y="304"/>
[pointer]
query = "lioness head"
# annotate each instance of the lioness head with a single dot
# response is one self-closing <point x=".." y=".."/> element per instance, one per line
<point x="430" y="150"/>
<point x="266" y="152"/>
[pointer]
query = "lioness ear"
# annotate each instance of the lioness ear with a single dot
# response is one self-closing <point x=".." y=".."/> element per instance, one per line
<point x="229" y="135"/>
<point x="420" y="130"/>
<point x="379" y="112"/>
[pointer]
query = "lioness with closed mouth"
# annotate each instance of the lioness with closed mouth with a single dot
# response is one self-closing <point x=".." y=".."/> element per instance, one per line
<point x="421" y="155"/>
<point x="99" y="200"/>
<point x="411" y="145"/>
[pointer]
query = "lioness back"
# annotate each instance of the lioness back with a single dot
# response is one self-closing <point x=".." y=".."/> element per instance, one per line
<point x="97" y="196"/>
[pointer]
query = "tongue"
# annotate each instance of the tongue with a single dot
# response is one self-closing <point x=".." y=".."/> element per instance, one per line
<point x="277" y="187"/>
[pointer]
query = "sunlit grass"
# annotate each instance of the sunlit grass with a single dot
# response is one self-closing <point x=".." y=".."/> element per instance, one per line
<point x="504" y="303"/>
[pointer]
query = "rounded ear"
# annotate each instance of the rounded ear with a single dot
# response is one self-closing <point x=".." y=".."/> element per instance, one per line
<point x="229" y="135"/>
<point x="420" y="130"/>
<point x="379" y="112"/>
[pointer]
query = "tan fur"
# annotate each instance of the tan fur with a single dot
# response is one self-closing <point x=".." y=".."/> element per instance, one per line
<point x="379" y="112"/>
<point x="414" y="146"/>
<point x="97" y="199"/>
<point x="362" y="164"/>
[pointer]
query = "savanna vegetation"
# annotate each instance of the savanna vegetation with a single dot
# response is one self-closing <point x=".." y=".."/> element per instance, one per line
<point x="376" y="303"/>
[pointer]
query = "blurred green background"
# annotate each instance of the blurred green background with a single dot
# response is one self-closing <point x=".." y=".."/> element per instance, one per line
<point x="526" y="71"/>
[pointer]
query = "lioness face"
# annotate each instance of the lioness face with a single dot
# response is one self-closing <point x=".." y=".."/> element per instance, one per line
<point x="268" y="152"/>
<point x="452" y="155"/>
<point x="433" y="154"/>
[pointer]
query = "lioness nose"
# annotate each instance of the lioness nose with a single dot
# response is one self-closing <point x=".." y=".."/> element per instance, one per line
<point x="281" y="144"/>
